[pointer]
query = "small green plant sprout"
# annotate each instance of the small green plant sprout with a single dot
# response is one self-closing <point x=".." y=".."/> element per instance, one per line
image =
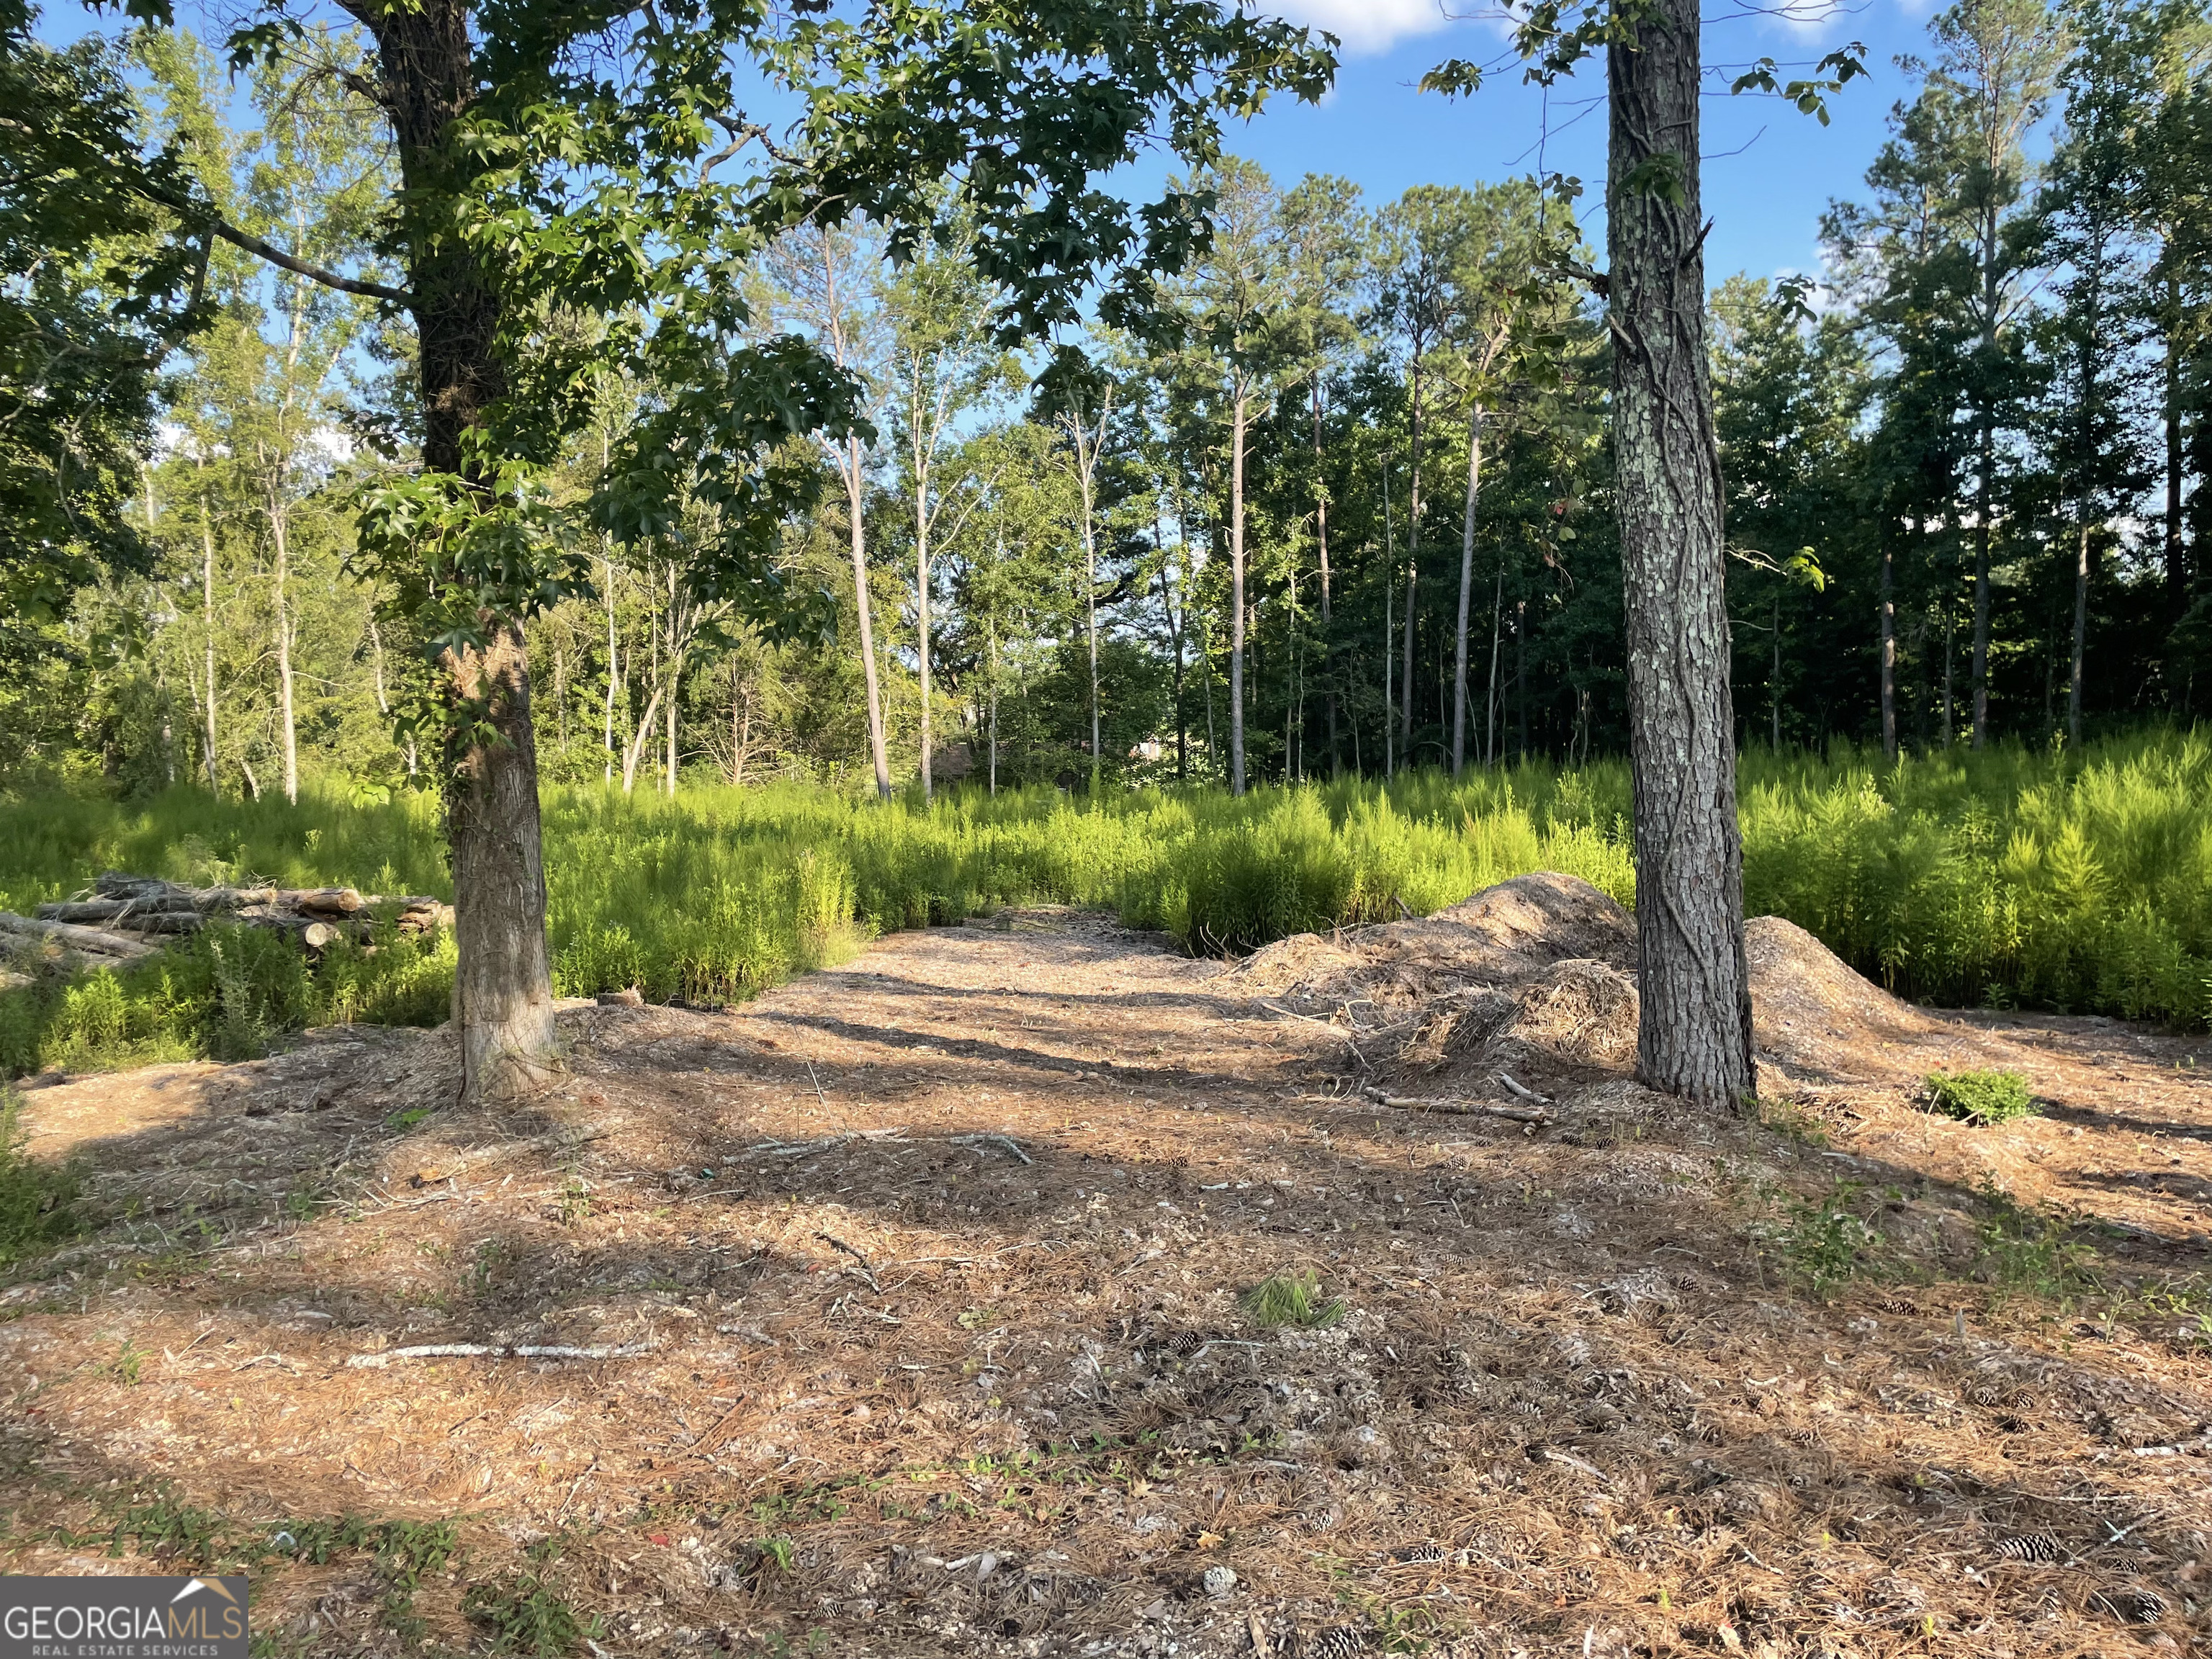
<point x="1980" y="1097"/>
<point x="1825" y="1244"/>
<point x="125" y="1366"/>
<point x="1293" y="1298"/>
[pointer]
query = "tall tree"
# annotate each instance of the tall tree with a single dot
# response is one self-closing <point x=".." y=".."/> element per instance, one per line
<point x="1322" y="233"/>
<point x="1998" y="60"/>
<point x="829" y="280"/>
<point x="606" y="159"/>
<point x="948" y="360"/>
<point x="1235" y="293"/>
<point x="1423" y="238"/>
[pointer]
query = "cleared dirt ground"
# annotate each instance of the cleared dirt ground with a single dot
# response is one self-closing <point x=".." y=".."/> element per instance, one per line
<point x="913" y="1290"/>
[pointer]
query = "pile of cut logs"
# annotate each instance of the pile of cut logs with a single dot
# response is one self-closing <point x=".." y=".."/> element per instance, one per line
<point x="127" y="915"/>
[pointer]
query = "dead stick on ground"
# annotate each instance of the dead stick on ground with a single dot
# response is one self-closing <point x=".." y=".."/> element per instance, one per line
<point x="491" y="1351"/>
<point x="840" y="1245"/>
<point x="1515" y="1087"/>
<point x="821" y="1099"/>
<point x="1464" y="1108"/>
<point x="1007" y="1141"/>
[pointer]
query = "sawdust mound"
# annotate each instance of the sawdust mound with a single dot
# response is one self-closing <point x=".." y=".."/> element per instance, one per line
<point x="1536" y="977"/>
<point x="1508" y="935"/>
<point x="1809" y="1005"/>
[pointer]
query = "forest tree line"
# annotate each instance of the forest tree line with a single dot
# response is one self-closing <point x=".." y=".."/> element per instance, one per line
<point x="1337" y="496"/>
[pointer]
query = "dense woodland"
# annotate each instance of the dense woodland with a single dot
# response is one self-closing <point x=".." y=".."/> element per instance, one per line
<point x="1965" y="468"/>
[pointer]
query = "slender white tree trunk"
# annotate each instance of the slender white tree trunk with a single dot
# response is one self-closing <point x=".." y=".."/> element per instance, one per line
<point x="279" y="527"/>
<point x="855" y="498"/>
<point x="207" y="620"/>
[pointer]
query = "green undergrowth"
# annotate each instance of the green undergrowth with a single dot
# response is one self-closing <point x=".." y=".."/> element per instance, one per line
<point x="400" y="1554"/>
<point x="222" y="994"/>
<point x="2078" y="881"/>
<point x="1980" y="1097"/>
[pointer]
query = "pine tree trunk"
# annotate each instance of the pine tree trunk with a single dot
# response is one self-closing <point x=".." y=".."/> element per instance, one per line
<point x="2080" y="635"/>
<point x="1390" y="634"/>
<point x="1984" y="507"/>
<point x="1490" y="697"/>
<point x="1237" y="594"/>
<point x="1412" y="572"/>
<point x="1465" y="588"/>
<point x="1695" y="1036"/>
<point x="1321" y="543"/>
<point x="1888" y="609"/>
<point x="2176" y="571"/>
<point x="502" y="984"/>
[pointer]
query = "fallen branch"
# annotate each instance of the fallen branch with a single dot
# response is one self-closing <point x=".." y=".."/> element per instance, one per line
<point x="1462" y="1107"/>
<point x="96" y="940"/>
<point x="866" y="1271"/>
<point x="492" y="1350"/>
<point x="1525" y="1093"/>
<point x="1007" y="1141"/>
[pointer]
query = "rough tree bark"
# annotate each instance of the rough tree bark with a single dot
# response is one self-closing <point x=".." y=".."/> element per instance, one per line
<point x="2080" y="635"/>
<point x="1888" y="610"/>
<point x="503" y="988"/>
<point x="1237" y="592"/>
<point x="1694" y="1037"/>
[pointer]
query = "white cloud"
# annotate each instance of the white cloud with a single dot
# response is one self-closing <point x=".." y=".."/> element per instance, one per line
<point x="1364" y="25"/>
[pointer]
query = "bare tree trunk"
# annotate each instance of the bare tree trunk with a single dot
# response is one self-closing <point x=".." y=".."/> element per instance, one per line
<point x="279" y="525"/>
<point x="1466" y="587"/>
<point x="502" y="984"/>
<point x="1889" y="608"/>
<point x="1694" y="1036"/>
<point x="1389" y="635"/>
<point x="614" y="678"/>
<point x="675" y="668"/>
<point x="2080" y="635"/>
<point x="1489" y="701"/>
<point x="1090" y="629"/>
<point x="1175" y="641"/>
<point x="1413" y="568"/>
<point x="855" y="486"/>
<point x="1774" y="679"/>
<point x="921" y="630"/>
<point x="2176" y="571"/>
<point x="1321" y="543"/>
<point x="207" y="620"/>
<point x="1237" y="592"/>
<point x="1984" y="508"/>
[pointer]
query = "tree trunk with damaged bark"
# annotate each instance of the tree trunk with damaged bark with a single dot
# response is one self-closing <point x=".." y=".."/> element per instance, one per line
<point x="1694" y="1036"/>
<point x="502" y="987"/>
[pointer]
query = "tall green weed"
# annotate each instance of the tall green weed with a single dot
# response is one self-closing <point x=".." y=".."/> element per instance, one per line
<point x="2072" y="880"/>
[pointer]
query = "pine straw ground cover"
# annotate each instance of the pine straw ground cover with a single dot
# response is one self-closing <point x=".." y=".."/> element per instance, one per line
<point x="920" y="1294"/>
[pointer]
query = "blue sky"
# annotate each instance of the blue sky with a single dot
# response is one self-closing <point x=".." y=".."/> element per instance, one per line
<point x="1769" y="171"/>
<point x="1766" y="201"/>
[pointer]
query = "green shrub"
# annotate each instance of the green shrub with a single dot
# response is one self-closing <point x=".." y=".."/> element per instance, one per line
<point x="1825" y="1244"/>
<point x="1980" y="1097"/>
